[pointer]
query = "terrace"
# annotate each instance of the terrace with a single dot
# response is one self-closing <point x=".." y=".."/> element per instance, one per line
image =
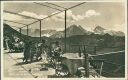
<point x="77" y="55"/>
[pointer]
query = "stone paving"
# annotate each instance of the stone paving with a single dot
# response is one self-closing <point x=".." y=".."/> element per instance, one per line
<point x="14" y="67"/>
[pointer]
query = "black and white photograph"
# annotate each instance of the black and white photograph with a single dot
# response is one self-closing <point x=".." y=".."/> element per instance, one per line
<point x="79" y="40"/>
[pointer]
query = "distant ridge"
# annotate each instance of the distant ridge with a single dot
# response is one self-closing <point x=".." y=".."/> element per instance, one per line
<point x="72" y="30"/>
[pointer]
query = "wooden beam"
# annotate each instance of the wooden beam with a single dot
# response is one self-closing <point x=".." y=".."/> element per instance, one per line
<point x="47" y="6"/>
<point x="62" y="11"/>
<point x="15" y="22"/>
<point x="56" y="5"/>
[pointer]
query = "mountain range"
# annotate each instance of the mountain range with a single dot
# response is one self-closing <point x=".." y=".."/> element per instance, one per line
<point x="102" y="31"/>
<point x="71" y="31"/>
<point x="78" y="30"/>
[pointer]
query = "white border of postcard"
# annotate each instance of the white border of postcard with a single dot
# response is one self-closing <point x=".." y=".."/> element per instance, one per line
<point x="126" y="74"/>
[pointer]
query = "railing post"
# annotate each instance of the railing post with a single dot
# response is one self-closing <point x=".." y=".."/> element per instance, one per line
<point x="79" y="51"/>
<point x="86" y="66"/>
<point x="101" y="68"/>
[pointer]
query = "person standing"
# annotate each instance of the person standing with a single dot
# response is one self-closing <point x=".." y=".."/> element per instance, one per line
<point x="41" y="49"/>
<point x="57" y="53"/>
<point x="27" y="52"/>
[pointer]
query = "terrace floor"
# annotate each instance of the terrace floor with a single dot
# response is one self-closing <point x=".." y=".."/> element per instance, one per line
<point x="15" y="68"/>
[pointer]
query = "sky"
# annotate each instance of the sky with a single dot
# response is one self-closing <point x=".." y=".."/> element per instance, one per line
<point x="109" y="15"/>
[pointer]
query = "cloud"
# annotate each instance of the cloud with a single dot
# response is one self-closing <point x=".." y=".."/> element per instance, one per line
<point x="119" y="27"/>
<point x="57" y="28"/>
<point x="90" y="13"/>
<point x="31" y="14"/>
<point x="70" y="16"/>
<point x="8" y="16"/>
<point x="59" y="17"/>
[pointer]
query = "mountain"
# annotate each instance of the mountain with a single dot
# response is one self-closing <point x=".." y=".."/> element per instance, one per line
<point x="36" y="32"/>
<point x="101" y="31"/>
<point x="115" y="33"/>
<point x="98" y="30"/>
<point x="48" y="32"/>
<point x="10" y="32"/>
<point x="75" y="30"/>
<point x="59" y="34"/>
<point x="71" y="31"/>
<point x="78" y="30"/>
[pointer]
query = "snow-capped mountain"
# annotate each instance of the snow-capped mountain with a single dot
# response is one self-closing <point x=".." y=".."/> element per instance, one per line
<point x="101" y="31"/>
<point x="71" y="31"/>
<point x="36" y="32"/>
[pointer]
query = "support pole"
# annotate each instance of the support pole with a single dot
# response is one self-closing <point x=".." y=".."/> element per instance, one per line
<point x="27" y="30"/>
<point x="40" y="29"/>
<point x="20" y="31"/>
<point x="69" y="45"/>
<point x="86" y="66"/>
<point x="94" y="50"/>
<point x="65" y="29"/>
<point x="79" y="51"/>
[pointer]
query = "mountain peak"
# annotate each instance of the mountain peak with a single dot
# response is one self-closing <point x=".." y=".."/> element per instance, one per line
<point x="99" y="30"/>
<point x="102" y="31"/>
<point x="115" y="33"/>
<point x="71" y="31"/>
<point x="75" y="30"/>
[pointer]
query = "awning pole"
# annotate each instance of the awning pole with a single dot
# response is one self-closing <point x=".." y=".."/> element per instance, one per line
<point x="27" y="30"/>
<point x="40" y="29"/>
<point x="65" y="29"/>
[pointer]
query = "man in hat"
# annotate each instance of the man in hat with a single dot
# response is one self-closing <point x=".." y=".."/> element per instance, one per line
<point x="27" y="51"/>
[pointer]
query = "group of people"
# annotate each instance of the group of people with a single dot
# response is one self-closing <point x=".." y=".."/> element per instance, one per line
<point x="38" y="50"/>
<point x="32" y="49"/>
<point x="13" y="44"/>
<point x="35" y="50"/>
